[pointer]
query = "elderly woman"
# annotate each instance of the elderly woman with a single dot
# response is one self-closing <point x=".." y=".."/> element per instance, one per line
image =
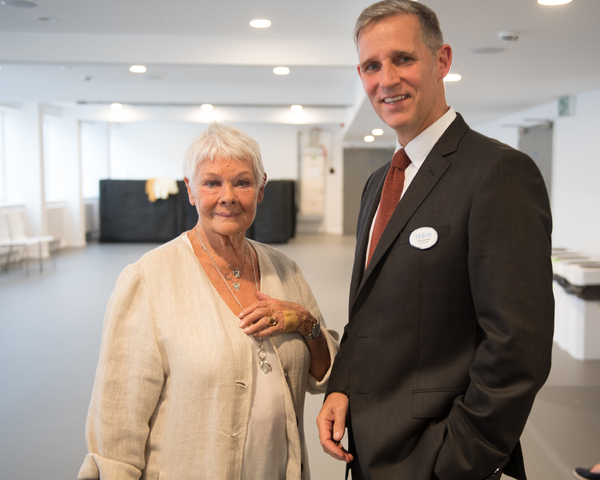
<point x="210" y="342"/>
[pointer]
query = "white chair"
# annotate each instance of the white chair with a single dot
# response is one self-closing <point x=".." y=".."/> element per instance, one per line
<point x="7" y="249"/>
<point x="19" y="239"/>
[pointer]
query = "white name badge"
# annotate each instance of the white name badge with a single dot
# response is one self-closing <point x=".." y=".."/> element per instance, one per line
<point x="423" y="238"/>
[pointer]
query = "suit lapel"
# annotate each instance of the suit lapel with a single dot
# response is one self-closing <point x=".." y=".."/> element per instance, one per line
<point x="370" y="203"/>
<point x="430" y="173"/>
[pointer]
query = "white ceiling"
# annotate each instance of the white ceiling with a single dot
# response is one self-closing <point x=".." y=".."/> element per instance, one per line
<point x="205" y="52"/>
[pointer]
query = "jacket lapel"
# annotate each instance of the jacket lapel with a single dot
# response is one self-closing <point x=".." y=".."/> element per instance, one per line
<point x="370" y="202"/>
<point x="430" y="173"/>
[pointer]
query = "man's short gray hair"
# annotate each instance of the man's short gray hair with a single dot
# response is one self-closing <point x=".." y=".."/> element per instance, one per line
<point x="223" y="141"/>
<point x="431" y="33"/>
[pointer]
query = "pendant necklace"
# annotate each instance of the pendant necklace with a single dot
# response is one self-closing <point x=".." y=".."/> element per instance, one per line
<point x="261" y="352"/>
<point x="236" y="272"/>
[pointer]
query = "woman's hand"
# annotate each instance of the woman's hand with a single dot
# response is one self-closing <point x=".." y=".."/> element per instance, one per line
<point x="269" y="316"/>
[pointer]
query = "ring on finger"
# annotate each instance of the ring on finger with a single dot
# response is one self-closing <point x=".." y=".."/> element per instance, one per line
<point x="272" y="321"/>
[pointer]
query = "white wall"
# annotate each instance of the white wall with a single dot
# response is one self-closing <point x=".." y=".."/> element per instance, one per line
<point x="576" y="168"/>
<point x="82" y="152"/>
<point x="142" y="150"/>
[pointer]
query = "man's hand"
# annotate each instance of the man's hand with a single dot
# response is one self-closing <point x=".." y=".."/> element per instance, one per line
<point x="332" y="423"/>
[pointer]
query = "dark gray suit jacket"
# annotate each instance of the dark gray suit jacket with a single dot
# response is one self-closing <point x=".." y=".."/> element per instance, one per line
<point x="446" y="348"/>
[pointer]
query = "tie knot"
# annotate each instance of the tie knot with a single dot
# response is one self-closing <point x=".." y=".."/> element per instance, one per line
<point x="400" y="160"/>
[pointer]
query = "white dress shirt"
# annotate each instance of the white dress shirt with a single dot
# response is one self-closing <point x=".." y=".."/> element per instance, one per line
<point x="417" y="150"/>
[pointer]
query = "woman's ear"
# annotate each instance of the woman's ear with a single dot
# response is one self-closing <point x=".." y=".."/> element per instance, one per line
<point x="189" y="190"/>
<point x="261" y="191"/>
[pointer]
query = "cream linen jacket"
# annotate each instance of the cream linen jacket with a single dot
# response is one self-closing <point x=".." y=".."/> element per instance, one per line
<point x="172" y="393"/>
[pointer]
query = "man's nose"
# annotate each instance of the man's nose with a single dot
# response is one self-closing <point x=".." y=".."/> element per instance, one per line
<point x="389" y="76"/>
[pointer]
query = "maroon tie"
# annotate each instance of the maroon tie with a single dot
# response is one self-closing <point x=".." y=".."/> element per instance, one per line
<point x="390" y="196"/>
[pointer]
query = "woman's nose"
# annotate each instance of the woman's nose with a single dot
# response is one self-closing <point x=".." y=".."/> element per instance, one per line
<point x="227" y="193"/>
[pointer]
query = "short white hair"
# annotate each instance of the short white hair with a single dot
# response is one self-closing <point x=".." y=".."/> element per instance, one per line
<point x="223" y="141"/>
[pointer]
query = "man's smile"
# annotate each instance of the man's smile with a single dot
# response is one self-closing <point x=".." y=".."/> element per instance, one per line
<point x="395" y="99"/>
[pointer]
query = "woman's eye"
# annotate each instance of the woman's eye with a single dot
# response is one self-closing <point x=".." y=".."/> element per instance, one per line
<point x="211" y="183"/>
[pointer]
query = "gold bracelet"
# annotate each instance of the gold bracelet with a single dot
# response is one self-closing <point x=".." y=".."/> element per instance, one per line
<point x="291" y="320"/>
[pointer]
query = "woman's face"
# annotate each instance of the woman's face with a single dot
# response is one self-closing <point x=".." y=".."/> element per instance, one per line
<point x="225" y="194"/>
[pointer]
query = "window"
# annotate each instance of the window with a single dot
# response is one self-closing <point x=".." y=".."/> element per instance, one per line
<point x="94" y="157"/>
<point x="3" y="184"/>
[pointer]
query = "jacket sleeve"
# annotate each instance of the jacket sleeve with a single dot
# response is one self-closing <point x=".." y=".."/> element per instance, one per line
<point x="511" y="282"/>
<point x="338" y="380"/>
<point x="127" y="387"/>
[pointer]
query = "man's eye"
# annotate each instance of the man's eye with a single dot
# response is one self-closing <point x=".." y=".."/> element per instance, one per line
<point x="371" y="67"/>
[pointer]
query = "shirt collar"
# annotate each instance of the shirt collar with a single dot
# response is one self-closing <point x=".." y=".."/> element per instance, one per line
<point x="420" y="146"/>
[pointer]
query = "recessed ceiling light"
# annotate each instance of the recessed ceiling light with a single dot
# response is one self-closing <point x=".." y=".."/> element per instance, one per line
<point x="116" y="106"/>
<point x="452" y="77"/>
<point x="207" y="107"/>
<point x="281" y="70"/>
<point x="137" y="69"/>
<point x="553" y="2"/>
<point x="369" y="138"/>
<point x="260" y="23"/>
<point x="296" y="108"/>
<point x="48" y="19"/>
<point x="377" y="132"/>
<point x="18" y="3"/>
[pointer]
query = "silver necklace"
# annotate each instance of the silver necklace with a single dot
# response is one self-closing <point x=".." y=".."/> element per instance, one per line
<point x="236" y="272"/>
<point x="261" y="352"/>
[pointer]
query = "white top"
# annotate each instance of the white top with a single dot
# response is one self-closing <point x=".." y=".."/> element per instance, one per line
<point x="417" y="150"/>
<point x="265" y="452"/>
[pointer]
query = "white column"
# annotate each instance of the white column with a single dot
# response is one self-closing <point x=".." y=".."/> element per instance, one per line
<point x="74" y="233"/>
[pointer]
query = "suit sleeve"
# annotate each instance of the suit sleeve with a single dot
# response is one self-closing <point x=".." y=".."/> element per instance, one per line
<point x="127" y="387"/>
<point x="511" y="282"/>
<point x="338" y="380"/>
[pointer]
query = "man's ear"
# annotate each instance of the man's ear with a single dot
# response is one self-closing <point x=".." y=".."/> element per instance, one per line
<point x="443" y="60"/>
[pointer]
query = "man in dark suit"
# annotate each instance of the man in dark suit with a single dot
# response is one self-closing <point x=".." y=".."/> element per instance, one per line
<point x="451" y="309"/>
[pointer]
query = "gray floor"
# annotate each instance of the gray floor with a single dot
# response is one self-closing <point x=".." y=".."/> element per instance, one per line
<point x="50" y="328"/>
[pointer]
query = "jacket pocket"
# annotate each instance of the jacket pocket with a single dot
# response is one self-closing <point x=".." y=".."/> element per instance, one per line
<point x="433" y="403"/>
<point x="162" y="476"/>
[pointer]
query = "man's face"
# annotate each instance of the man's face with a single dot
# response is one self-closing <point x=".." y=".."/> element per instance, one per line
<point x="403" y="81"/>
